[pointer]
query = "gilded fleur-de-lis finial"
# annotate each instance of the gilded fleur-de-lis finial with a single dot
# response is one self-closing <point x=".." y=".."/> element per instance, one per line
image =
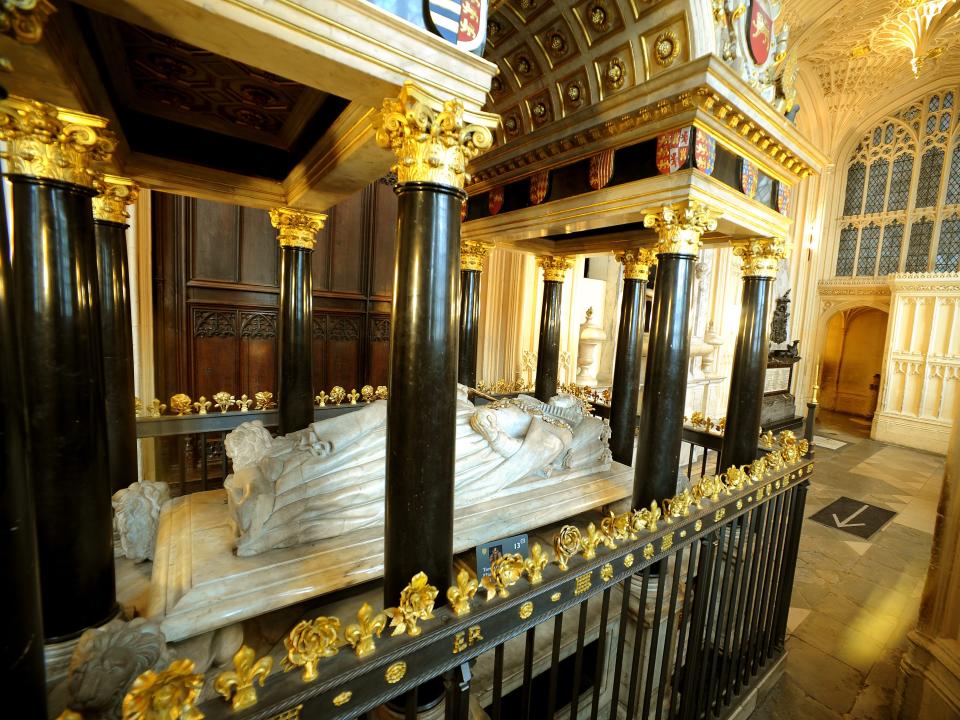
<point x="321" y="399"/>
<point x="505" y="571"/>
<point x="164" y="695"/>
<point x="202" y="405"/>
<point x="566" y="544"/>
<point x="416" y="604"/>
<point x="224" y="401"/>
<point x="244" y="403"/>
<point x="361" y="633"/>
<point x="462" y="593"/>
<point x="368" y="393"/>
<point x="137" y="406"/>
<point x="337" y="394"/>
<point x="264" y="400"/>
<point x="155" y="408"/>
<point x="353" y="396"/>
<point x="239" y="682"/>
<point x="589" y="542"/>
<point x="308" y="642"/>
<point x="181" y="404"/>
<point x="535" y="564"/>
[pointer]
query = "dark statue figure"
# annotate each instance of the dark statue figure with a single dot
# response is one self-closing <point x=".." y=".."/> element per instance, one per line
<point x="778" y="323"/>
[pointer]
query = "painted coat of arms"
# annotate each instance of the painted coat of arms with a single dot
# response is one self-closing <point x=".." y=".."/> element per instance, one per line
<point x="760" y="30"/>
<point x="462" y="22"/>
<point x="495" y="200"/>
<point x="705" y="152"/>
<point x="783" y="199"/>
<point x="673" y="149"/>
<point x="749" y="177"/>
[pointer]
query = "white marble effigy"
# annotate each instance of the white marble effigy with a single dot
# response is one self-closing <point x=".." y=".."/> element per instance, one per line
<point x="199" y="583"/>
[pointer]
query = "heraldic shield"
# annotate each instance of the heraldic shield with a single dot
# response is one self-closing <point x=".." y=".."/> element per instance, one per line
<point x="462" y="22"/>
<point x="760" y="30"/>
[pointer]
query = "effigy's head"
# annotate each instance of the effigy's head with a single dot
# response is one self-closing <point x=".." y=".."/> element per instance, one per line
<point x="504" y="417"/>
<point x="247" y="444"/>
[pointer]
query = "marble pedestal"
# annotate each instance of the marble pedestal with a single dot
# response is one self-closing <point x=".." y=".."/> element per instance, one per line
<point x="199" y="584"/>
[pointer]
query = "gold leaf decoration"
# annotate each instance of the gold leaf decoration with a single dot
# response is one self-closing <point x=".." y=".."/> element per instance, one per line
<point x="165" y="695"/>
<point x="589" y="542"/>
<point x="566" y="544"/>
<point x="239" y="682"/>
<point x="181" y="404"/>
<point x="308" y="642"/>
<point x="505" y="571"/>
<point x="361" y="633"/>
<point x="535" y="564"/>
<point x="416" y="604"/>
<point x="462" y="593"/>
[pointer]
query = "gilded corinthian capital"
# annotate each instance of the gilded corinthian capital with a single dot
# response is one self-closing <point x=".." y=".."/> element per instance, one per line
<point x="23" y="19"/>
<point x="433" y="139"/>
<point x="115" y="193"/>
<point x="637" y="263"/>
<point x="45" y="141"/>
<point x="554" y="267"/>
<point x="296" y="228"/>
<point x="761" y="256"/>
<point x="472" y="253"/>
<point x="680" y="227"/>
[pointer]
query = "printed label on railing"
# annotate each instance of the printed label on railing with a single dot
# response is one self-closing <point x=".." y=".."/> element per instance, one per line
<point x="490" y="551"/>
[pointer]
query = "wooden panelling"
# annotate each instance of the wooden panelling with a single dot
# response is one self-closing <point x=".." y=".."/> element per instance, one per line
<point x="216" y="284"/>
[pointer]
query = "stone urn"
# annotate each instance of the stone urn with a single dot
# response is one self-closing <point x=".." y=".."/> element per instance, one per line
<point x="592" y="337"/>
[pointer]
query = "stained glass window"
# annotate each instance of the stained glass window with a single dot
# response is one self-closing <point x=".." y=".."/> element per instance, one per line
<point x="876" y="135"/>
<point x="867" y="258"/>
<point x="877" y="186"/>
<point x="900" y="182"/>
<point x="944" y="122"/>
<point x="854" y="198"/>
<point x="931" y="124"/>
<point x="848" y="248"/>
<point x="934" y="104"/>
<point x="948" y="100"/>
<point x="888" y="134"/>
<point x="928" y="185"/>
<point x="953" y="182"/>
<point x="948" y="248"/>
<point x="890" y="251"/>
<point x="918" y="251"/>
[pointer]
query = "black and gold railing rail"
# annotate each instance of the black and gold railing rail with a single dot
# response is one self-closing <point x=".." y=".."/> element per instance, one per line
<point x="714" y="568"/>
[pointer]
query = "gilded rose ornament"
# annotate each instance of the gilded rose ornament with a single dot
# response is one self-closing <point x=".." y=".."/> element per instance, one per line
<point x="416" y="604"/>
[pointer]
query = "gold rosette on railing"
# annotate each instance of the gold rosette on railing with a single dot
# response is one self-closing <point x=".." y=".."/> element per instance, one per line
<point x="566" y="544"/>
<point x="505" y="571"/>
<point x="416" y="604"/>
<point x="308" y="642"/>
<point x="165" y="694"/>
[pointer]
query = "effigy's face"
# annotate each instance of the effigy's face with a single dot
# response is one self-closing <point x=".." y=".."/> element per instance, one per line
<point x="247" y="444"/>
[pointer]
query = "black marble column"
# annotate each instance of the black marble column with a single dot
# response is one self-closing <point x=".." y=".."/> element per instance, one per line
<point x="471" y="266"/>
<point x="22" y="644"/>
<point x="747" y="376"/>
<point x="296" y="230"/>
<point x="548" y="348"/>
<point x="629" y="358"/>
<point x="116" y="331"/>
<point x="418" y="533"/>
<point x="58" y="306"/>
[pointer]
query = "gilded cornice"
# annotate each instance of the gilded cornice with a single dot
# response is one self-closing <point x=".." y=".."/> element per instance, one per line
<point x="45" y="141"/>
<point x="637" y="263"/>
<point x="761" y="256"/>
<point x="115" y="193"/>
<point x="472" y="253"/>
<point x="433" y="139"/>
<point x="296" y="228"/>
<point x="23" y="20"/>
<point x="554" y="267"/>
<point x="680" y="227"/>
<point x="704" y="92"/>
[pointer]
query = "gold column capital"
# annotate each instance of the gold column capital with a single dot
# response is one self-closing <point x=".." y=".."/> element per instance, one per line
<point x="433" y="139"/>
<point x="637" y="263"/>
<point x="680" y="227"/>
<point x="472" y="253"/>
<point x="46" y="141"/>
<point x="761" y="256"/>
<point x="297" y="228"/>
<point x="23" y="19"/>
<point x="554" y="266"/>
<point x="115" y="194"/>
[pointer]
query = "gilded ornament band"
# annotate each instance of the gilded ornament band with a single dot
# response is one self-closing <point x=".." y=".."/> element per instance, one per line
<point x="680" y="227"/>
<point x="46" y="141"/>
<point x="637" y="263"/>
<point x="297" y="228"/>
<point x="115" y="193"/>
<point x="554" y="267"/>
<point x="23" y="20"/>
<point x="472" y="254"/>
<point x="433" y="139"/>
<point x="761" y="256"/>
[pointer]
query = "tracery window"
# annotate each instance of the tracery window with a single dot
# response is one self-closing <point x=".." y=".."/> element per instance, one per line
<point x="901" y="202"/>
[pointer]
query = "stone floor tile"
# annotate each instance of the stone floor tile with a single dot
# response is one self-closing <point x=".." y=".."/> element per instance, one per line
<point x="842" y="642"/>
<point x="788" y="701"/>
<point x="827" y="680"/>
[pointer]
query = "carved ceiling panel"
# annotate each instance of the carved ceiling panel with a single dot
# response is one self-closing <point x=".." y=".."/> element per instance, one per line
<point x="559" y="56"/>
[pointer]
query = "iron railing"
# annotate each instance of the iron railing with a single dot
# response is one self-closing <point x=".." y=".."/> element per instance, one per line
<point x="678" y="610"/>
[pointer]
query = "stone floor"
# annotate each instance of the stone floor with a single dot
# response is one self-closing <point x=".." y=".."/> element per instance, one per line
<point x="855" y="600"/>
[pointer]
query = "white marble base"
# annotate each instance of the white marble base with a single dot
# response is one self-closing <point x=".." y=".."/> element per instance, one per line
<point x="199" y="583"/>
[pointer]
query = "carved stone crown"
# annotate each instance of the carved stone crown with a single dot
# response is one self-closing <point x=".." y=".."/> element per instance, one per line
<point x="472" y="253"/>
<point x="45" y="141"/>
<point x="430" y="137"/>
<point x="680" y="227"/>
<point x="115" y="194"/>
<point x="637" y="263"/>
<point x="761" y="256"/>
<point x="297" y="228"/>
<point x="554" y="268"/>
